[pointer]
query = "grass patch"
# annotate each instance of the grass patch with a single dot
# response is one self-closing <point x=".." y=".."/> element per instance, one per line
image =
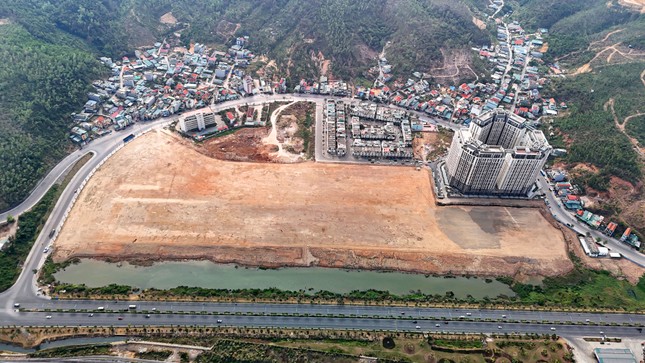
<point x="73" y="351"/>
<point x="226" y="350"/>
<point x="159" y="355"/>
<point x="584" y="288"/>
<point x="458" y="343"/>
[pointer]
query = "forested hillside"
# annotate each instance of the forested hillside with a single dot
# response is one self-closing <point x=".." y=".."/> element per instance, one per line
<point x="41" y="84"/>
<point x="573" y="24"/>
<point x="350" y="33"/>
<point x="590" y="123"/>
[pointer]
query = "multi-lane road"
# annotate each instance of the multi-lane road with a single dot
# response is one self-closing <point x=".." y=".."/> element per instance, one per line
<point x="64" y="312"/>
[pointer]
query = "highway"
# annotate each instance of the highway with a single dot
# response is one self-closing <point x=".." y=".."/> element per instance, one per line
<point x="88" y="306"/>
<point x="361" y="323"/>
<point x="355" y="317"/>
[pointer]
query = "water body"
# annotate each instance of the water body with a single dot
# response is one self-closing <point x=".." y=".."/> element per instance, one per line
<point x="206" y="274"/>
<point x="61" y="343"/>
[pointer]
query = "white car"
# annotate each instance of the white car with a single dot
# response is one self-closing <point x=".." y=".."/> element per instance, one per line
<point x="499" y="327"/>
<point x="48" y="317"/>
<point x="437" y="325"/>
<point x="552" y="328"/>
<point x="418" y="327"/>
<point x="46" y="250"/>
<point x="219" y="321"/>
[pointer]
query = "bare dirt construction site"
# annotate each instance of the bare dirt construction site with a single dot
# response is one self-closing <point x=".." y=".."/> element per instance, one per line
<point x="243" y="145"/>
<point x="159" y="199"/>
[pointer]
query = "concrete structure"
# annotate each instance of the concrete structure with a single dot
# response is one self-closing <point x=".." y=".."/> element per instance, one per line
<point x="497" y="155"/>
<point x="614" y="355"/>
<point x="197" y="120"/>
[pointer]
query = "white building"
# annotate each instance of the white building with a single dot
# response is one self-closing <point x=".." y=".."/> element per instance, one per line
<point x="197" y="120"/>
<point x="496" y="155"/>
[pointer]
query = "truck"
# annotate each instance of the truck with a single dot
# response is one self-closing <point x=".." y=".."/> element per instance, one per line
<point x="128" y="138"/>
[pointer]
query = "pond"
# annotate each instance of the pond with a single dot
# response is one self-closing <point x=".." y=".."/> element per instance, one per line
<point x="206" y="274"/>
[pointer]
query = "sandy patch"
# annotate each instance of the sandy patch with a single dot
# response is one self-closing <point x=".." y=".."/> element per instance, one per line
<point x="190" y="206"/>
<point x="168" y="18"/>
<point x="478" y="23"/>
<point x="638" y="5"/>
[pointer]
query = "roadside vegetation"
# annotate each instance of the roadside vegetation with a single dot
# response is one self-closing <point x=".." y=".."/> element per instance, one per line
<point x="73" y="351"/>
<point x="584" y="289"/>
<point x="160" y="355"/>
<point x="30" y="225"/>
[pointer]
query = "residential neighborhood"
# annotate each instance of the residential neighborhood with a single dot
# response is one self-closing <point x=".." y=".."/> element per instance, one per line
<point x="165" y="80"/>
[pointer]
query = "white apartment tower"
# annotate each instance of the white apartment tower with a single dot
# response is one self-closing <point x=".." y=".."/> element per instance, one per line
<point x="197" y="120"/>
<point x="496" y="155"/>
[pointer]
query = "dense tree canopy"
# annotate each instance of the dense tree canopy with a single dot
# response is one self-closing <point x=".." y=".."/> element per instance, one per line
<point x="40" y="86"/>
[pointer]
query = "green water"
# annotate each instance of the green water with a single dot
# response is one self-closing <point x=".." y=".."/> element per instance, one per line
<point x="210" y="275"/>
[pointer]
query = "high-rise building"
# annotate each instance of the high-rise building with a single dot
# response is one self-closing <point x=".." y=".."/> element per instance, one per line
<point x="197" y="120"/>
<point x="496" y="155"/>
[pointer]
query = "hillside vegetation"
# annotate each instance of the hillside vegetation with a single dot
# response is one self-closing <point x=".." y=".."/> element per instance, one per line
<point x="350" y="33"/>
<point x="573" y="24"/>
<point x="595" y="138"/>
<point x="41" y="84"/>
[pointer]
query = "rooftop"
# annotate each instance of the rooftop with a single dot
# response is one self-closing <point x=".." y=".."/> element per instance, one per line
<point x="614" y="355"/>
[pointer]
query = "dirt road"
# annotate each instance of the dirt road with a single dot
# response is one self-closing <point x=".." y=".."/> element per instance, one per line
<point x="158" y="199"/>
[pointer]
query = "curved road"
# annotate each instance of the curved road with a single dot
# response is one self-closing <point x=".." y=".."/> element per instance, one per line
<point x="24" y="290"/>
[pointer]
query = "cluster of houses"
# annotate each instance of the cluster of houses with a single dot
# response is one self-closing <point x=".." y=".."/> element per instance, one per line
<point x="324" y="86"/>
<point x="365" y="130"/>
<point x="164" y="80"/>
<point x="514" y="83"/>
<point x="569" y="195"/>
